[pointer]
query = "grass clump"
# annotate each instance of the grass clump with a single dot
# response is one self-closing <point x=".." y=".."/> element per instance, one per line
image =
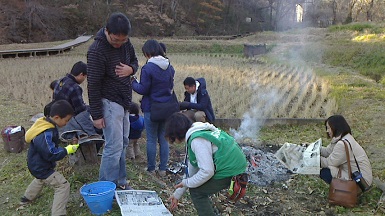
<point x="358" y="27"/>
<point x="362" y="52"/>
<point x="216" y="47"/>
<point x="368" y="58"/>
<point x="368" y="37"/>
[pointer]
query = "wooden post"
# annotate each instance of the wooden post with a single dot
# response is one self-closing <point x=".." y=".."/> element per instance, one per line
<point x="86" y="154"/>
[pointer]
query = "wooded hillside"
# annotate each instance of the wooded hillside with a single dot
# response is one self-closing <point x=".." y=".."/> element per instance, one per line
<point x="26" y="21"/>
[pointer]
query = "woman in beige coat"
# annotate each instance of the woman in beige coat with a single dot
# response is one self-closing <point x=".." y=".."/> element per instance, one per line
<point x="333" y="157"/>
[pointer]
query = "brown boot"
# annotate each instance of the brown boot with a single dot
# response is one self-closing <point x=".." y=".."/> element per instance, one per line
<point x="138" y="153"/>
<point x="130" y="150"/>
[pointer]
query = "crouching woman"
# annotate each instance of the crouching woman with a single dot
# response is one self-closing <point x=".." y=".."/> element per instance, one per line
<point x="212" y="156"/>
<point x="333" y="157"/>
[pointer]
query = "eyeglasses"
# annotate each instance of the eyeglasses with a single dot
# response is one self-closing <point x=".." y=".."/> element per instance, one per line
<point x="117" y="41"/>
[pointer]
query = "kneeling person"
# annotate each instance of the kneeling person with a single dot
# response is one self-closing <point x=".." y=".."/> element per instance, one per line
<point x="208" y="153"/>
<point x="197" y="102"/>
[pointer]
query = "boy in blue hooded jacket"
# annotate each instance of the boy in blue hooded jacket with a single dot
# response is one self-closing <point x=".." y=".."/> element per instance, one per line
<point x="43" y="153"/>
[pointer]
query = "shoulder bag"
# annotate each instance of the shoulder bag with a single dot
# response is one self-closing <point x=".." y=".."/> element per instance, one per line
<point x="357" y="175"/>
<point x="343" y="192"/>
<point x="160" y="111"/>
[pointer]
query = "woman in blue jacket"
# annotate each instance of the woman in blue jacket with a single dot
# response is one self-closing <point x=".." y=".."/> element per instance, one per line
<point x="156" y="84"/>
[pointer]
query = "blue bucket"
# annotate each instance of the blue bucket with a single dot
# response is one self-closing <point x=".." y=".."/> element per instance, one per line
<point x="99" y="196"/>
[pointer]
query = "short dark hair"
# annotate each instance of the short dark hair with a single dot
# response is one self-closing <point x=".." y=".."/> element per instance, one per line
<point x="176" y="127"/>
<point x="152" y="48"/>
<point x="189" y="81"/>
<point x="118" y="24"/>
<point x="134" y="108"/>
<point x="163" y="46"/>
<point x="61" y="108"/>
<point x="78" y="68"/>
<point x="53" y="84"/>
<point x="338" y="125"/>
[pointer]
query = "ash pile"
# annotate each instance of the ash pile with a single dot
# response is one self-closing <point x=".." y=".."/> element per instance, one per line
<point x="264" y="168"/>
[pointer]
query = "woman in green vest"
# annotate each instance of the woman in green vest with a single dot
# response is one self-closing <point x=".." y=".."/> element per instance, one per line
<point x="213" y="158"/>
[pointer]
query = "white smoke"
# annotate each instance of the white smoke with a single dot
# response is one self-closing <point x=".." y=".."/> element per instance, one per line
<point x="267" y="97"/>
<point x="262" y="104"/>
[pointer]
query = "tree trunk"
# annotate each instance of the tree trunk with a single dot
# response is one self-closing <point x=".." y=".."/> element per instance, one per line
<point x="30" y="20"/>
<point x="160" y="6"/>
<point x="174" y="5"/>
<point x="271" y="14"/>
<point x="349" y="17"/>
<point x="334" y="9"/>
<point x="369" y="13"/>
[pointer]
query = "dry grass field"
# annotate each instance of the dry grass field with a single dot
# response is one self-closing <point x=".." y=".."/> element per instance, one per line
<point x="276" y="85"/>
<point x="276" y="91"/>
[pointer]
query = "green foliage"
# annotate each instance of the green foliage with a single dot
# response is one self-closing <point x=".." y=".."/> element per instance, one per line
<point x="363" y="52"/>
<point x="219" y="48"/>
<point x="222" y="48"/>
<point x="378" y="30"/>
<point x="370" y="198"/>
<point x="367" y="58"/>
<point x="341" y="210"/>
<point x="297" y="134"/>
<point x="360" y="27"/>
<point x="368" y="37"/>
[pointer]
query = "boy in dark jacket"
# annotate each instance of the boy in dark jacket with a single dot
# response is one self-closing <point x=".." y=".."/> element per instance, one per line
<point x="43" y="153"/>
<point x="68" y="88"/>
<point x="197" y="101"/>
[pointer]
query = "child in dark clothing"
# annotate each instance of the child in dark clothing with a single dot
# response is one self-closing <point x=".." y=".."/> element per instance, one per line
<point x="136" y="129"/>
<point x="43" y="153"/>
<point x="47" y="107"/>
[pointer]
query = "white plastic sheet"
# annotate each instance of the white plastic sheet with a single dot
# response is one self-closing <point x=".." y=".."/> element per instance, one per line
<point x="300" y="159"/>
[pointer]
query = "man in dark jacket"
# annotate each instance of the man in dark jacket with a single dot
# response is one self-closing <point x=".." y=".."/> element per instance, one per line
<point x="197" y="100"/>
<point x="111" y="60"/>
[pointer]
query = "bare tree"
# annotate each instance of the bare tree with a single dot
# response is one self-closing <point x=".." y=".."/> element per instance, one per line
<point x="369" y="11"/>
<point x="364" y="10"/>
<point x="174" y="5"/>
<point x="161" y="6"/>
<point x="333" y="6"/>
<point x="351" y="5"/>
